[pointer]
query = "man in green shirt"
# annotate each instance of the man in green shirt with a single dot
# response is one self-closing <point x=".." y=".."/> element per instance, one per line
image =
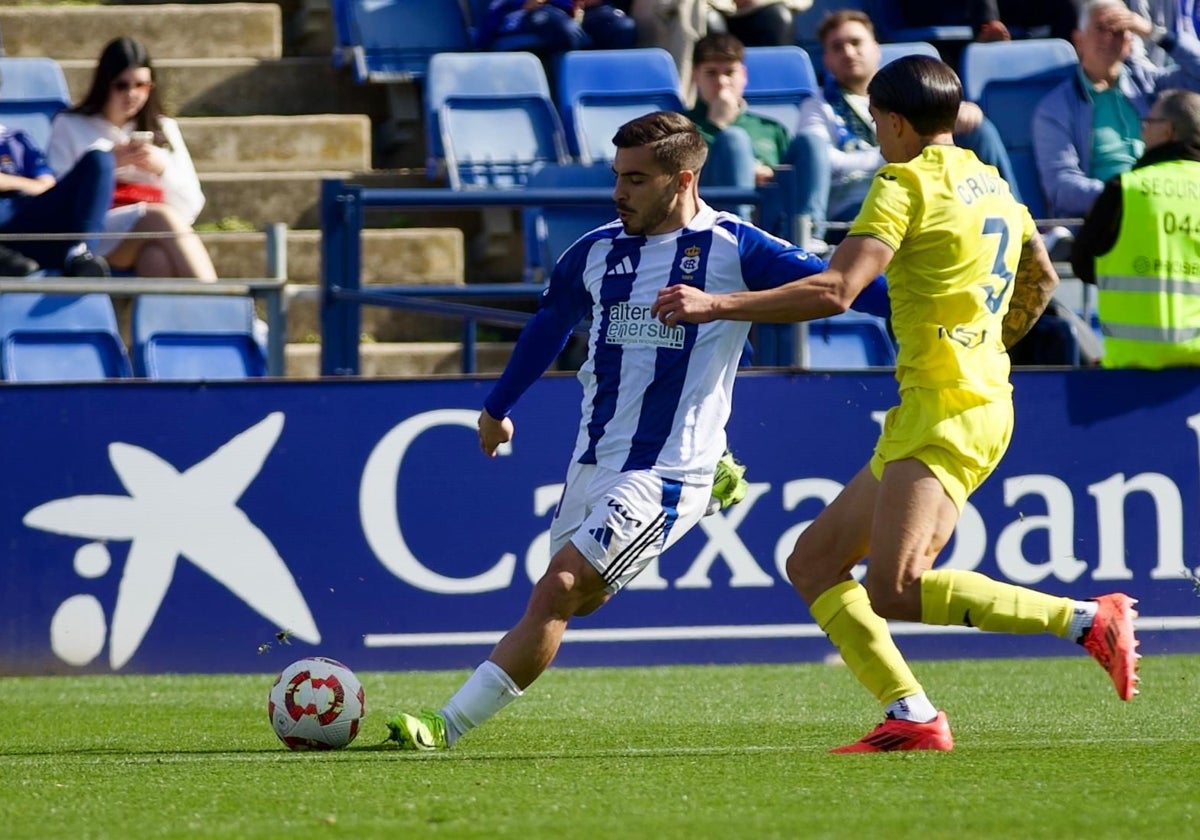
<point x="744" y="148"/>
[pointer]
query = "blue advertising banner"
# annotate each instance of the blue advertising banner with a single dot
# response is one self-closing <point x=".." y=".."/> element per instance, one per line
<point x="155" y="527"/>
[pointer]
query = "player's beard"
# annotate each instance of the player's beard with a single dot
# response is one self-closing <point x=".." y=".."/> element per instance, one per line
<point x="654" y="215"/>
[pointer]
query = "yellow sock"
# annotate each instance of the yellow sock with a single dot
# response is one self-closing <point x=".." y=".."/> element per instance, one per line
<point x="974" y="600"/>
<point x="844" y="613"/>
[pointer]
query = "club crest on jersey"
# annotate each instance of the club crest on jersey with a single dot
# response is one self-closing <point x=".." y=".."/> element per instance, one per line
<point x="690" y="263"/>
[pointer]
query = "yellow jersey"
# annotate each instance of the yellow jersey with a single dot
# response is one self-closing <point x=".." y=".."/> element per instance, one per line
<point x="957" y="234"/>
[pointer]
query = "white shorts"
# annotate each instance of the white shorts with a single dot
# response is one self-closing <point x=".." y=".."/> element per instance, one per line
<point x="620" y="521"/>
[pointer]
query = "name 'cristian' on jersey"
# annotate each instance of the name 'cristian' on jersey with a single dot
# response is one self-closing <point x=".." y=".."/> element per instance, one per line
<point x="978" y="185"/>
<point x="631" y="323"/>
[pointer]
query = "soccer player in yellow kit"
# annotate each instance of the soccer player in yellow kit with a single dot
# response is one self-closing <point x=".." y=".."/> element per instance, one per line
<point x="968" y="276"/>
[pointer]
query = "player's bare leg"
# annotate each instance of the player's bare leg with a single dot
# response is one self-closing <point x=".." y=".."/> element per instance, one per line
<point x="570" y="587"/>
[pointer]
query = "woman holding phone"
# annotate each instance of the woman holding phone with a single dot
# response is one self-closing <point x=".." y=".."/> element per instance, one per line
<point x="157" y="189"/>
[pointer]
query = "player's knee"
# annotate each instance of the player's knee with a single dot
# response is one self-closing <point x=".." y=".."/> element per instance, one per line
<point x="566" y="589"/>
<point x="804" y="575"/>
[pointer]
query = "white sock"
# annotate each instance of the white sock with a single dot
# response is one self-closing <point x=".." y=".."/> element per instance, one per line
<point x="486" y="691"/>
<point x="914" y="707"/>
<point x="1081" y="620"/>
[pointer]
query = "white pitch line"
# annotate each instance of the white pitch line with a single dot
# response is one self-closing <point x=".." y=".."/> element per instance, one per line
<point x="713" y="632"/>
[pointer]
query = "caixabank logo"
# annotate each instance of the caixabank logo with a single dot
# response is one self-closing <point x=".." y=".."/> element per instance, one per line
<point x="170" y="516"/>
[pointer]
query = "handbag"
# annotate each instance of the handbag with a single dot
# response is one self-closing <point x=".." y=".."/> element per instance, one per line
<point x="126" y="193"/>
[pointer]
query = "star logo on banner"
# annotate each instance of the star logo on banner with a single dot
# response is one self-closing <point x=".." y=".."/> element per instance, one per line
<point x="170" y="515"/>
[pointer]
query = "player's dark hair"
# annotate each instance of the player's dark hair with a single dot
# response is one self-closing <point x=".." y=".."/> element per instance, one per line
<point x="672" y="137"/>
<point x="922" y="89"/>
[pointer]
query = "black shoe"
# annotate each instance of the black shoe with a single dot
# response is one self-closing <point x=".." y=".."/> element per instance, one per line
<point x="86" y="264"/>
<point x="15" y="264"/>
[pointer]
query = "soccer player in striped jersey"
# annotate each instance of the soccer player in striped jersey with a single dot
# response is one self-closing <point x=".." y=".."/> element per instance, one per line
<point x="656" y="398"/>
<point x="968" y="276"/>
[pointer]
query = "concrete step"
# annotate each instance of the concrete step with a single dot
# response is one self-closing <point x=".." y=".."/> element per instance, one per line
<point x="263" y="198"/>
<point x="416" y="256"/>
<point x="402" y="359"/>
<point x="278" y="143"/>
<point x="225" y="30"/>
<point x="225" y="87"/>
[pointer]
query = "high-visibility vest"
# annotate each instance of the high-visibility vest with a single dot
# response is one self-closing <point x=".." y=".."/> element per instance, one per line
<point x="1149" y="283"/>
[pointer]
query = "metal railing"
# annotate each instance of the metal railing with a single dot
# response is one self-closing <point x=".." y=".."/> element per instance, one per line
<point x="272" y="290"/>
<point x="343" y="208"/>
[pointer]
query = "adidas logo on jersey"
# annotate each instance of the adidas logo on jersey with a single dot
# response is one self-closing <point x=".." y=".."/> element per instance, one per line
<point x="623" y="268"/>
<point x="603" y="536"/>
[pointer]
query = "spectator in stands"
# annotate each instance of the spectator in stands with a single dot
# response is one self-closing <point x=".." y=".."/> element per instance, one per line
<point x="847" y="145"/>
<point x="757" y="23"/>
<point x="675" y="26"/>
<point x="991" y="19"/>
<point x="32" y="200"/>
<point x="1174" y="16"/>
<point x="1086" y="130"/>
<point x="558" y="25"/>
<point x="744" y="147"/>
<point x="157" y="189"/>
<point x="1139" y="244"/>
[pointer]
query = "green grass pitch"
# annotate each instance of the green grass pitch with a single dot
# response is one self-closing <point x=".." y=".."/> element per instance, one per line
<point x="1044" y="750"/>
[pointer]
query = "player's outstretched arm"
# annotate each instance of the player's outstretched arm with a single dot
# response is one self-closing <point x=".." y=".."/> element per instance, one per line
<point x="854" y="265"/>
<point x="1033" y="287"/>
<point x="493" y="432"/>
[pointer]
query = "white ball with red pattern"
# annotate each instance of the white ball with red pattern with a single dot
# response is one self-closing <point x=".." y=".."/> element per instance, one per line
<point x="316" y="704"/>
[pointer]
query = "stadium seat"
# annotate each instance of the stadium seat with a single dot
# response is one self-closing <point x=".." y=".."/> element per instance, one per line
<point x="551" y="230"/>
<point x="849" y="341"/>
<point x="34" y="90"/>
<point x="60" y="338"/>
<point x="393" y="40"/>
<point x="195" y="337"/>
<point x="600" y="90"/>
<point x="1008" y="79"/>
<point x="983" y="63"/>
<point x="890" y="52"/>
<point x="778" y="79"/>
<point x="490" y="117"/>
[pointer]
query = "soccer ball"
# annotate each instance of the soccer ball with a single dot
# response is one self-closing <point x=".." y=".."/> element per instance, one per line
<point x="316" y="704"/>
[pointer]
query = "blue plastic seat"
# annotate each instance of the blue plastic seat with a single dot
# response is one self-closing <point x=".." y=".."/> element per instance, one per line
<point x="195" y="337"/>
<point x="1008" y="79"/>
<point x="890" y="52"/>
<point x="778" y="80"/>
<point x="849" y="341"/>
<point x="551" y="230"/>
<point x="34" y="90"/>
<point x="489" y="116"/>
<point x="600" y="90"/>
<point x="983" y="63"/>
<point x="60" y="338"/>
<point x="393" y="40"/>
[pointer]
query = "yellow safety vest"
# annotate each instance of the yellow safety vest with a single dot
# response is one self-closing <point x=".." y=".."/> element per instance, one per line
<point x="1149" y="283"/>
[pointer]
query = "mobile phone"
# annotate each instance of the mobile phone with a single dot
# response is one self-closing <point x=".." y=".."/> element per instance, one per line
<point x="141" y="138"/>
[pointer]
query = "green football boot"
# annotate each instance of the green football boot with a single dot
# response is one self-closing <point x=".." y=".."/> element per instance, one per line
<point x="425" y="731"/>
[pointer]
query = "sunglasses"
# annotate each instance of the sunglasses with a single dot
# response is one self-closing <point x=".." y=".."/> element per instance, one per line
<point x="123" y="85"/>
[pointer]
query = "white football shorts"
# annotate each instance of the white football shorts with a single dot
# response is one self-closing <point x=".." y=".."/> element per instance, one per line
<point x="620" y="521"/>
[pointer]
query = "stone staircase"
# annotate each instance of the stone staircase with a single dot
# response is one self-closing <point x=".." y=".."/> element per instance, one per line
<point x="266" y="118"/>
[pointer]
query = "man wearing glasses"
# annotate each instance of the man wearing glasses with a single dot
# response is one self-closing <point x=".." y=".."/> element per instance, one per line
<point x="1140" y="244"/>
<point x="1086" y="130"/>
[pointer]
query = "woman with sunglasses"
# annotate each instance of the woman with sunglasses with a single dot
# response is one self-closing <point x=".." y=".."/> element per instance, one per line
<point x="157" y="190"/>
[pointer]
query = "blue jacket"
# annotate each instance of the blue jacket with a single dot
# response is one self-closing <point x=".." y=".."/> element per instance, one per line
<point x="1062" y="123"/>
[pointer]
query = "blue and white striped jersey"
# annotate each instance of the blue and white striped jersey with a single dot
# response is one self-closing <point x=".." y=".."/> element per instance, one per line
<point x="653" y="396"/>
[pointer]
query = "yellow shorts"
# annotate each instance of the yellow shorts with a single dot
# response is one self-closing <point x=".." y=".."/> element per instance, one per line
<point x="959" y="435"/>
